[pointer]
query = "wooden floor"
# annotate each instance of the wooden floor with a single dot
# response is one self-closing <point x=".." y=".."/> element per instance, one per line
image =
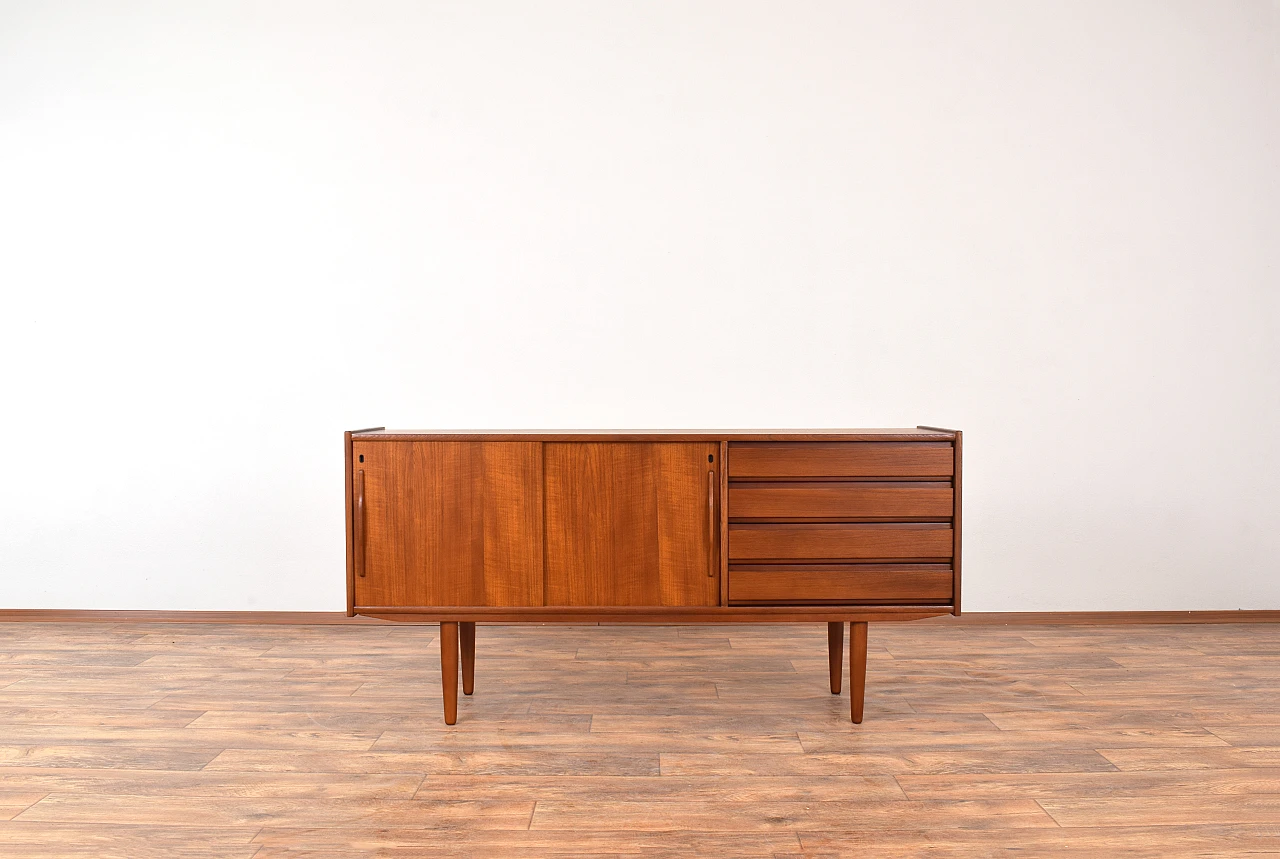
<point x="138" y="740"/>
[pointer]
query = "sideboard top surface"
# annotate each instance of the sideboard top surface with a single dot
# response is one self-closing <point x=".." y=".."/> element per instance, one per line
<point x="900" y="434"/>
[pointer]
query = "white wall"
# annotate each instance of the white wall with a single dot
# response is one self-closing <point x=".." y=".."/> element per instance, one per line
<point x="229" y="231"/>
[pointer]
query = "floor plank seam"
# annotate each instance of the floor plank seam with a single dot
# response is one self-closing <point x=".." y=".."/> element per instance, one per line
<point x="1049" y="814"/>
<point x="31" y="806"/>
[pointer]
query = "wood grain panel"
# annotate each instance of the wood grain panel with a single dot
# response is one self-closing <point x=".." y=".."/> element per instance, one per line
<point x="840" y="459"/>
<point x="627" y="525"/>
<point x="688" y="490"/>
<point x="451" y="523"/>
<point x="839" y="583"/>
<point x="602" y="525"/>
<point x="830" y="500"/>
<point x="512" y="529"/>
<point x="906" y="541"/>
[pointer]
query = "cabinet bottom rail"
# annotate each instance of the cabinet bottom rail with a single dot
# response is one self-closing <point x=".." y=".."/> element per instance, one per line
<point x="657" y="614"/>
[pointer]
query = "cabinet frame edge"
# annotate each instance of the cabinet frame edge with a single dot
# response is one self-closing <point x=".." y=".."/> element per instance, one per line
<point x="956" y="522"/>
<point x="956" y="515"/>
<point x="723" y="546"/>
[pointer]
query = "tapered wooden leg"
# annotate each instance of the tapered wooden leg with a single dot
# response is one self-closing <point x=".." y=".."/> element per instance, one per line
<point x="449" y="670"/>
<point x="835" y="654"/>
<point x="857" y="669"/>
<point x="467" y="633"/>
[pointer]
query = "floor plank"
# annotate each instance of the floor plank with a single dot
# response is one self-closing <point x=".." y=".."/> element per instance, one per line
<point x="791" y="816"/>
<point x="209" y="740"/>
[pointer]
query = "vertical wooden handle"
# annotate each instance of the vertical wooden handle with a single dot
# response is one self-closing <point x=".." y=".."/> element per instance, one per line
<point x="711" y="524"/>
<point x="360" y="523"/>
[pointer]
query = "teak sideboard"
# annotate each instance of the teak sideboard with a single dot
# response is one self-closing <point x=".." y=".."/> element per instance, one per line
<point x="653" y="526"/>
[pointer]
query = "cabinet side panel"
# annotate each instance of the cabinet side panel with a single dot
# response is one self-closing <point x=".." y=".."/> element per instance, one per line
<point x="512" y="516"/>
<point x="351" y="557"/>
<point x="956" y="523"/>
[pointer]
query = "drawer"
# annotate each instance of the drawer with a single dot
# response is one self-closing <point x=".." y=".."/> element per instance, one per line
<point x="841" y="459"/>
<point x="903" y="584"/>
<point x="899" y="541"/>
<point x="831" y="500"/>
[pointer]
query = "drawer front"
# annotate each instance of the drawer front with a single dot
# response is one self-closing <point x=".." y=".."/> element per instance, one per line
<point x="833" y="584"/>
<point x="781" y="542"/>
<point x="772" y="460"/>
<point x="842" y="501"/>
